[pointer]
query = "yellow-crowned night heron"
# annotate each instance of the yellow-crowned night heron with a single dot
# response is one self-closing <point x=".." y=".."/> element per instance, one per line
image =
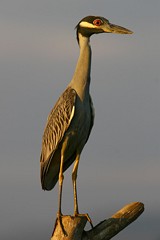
<point x="70" y="121"/>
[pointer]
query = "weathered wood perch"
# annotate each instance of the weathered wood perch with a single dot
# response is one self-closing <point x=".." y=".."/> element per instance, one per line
<point x="105" y="230"/>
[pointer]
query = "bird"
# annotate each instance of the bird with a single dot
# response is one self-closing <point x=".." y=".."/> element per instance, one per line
<point x="70" y="122"/>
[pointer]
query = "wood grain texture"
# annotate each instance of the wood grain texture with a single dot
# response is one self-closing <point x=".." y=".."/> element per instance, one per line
<point x="105" y="230"/>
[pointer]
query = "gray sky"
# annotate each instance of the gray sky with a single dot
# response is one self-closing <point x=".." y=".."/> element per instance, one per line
<point x="121" y="161"/>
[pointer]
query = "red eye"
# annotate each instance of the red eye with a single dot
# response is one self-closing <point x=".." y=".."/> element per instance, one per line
<point x="97" y="22"/>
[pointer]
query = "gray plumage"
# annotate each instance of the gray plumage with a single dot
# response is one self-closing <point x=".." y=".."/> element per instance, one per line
<point x="65" y="119"/>
<point x="70" y="122"/>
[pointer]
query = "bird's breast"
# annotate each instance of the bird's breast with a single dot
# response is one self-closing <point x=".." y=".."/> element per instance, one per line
<point x="80" y="124"/>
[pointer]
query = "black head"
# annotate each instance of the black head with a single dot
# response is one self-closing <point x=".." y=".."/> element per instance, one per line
<point x="95" y="24"/>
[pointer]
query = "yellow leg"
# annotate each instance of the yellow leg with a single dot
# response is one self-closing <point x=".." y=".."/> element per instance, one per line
<point x="74" y="178"/>
<point x="61" y="177"/>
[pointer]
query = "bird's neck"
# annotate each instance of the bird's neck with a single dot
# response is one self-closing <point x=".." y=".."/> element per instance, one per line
<point x="81" y="78"/>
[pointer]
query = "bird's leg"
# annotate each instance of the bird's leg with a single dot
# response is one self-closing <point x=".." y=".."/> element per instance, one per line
<point x="61" y="177"/>
<point x="74" y="178"/>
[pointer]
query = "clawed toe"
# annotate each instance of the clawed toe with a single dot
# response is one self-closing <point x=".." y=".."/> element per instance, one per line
<point x="85" y="215"/>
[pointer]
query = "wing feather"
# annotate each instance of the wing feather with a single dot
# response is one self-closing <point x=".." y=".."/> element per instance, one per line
<point x="58" y="122"/>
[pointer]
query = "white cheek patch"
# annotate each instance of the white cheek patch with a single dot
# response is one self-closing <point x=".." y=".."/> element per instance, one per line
<point x="87" y="25"/>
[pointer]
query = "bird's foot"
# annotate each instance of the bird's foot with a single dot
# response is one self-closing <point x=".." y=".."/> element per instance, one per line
<point x="59" y="220"/>
<point x="84" y="215"/>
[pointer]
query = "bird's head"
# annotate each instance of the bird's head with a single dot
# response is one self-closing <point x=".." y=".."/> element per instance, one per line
<point x="95" y="24"/>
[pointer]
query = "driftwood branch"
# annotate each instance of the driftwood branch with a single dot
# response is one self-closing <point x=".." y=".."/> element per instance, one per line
<point x="74" y="226"/>
<point x="112" y="226"/>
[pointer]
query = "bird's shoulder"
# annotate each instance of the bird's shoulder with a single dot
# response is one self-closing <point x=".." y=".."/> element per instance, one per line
<point x="58" y="121"/>
<point x="64" y="105"/>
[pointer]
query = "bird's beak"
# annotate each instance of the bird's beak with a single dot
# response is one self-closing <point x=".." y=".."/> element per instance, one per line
<point x="112" y="28"/>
